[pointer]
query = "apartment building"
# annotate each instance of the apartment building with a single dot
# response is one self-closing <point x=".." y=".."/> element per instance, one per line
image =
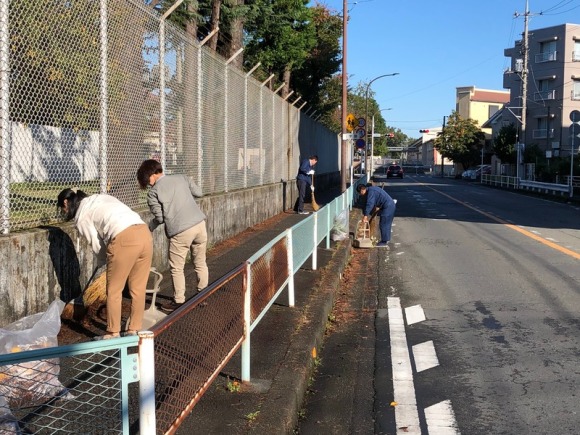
<point x="553" y="88"/>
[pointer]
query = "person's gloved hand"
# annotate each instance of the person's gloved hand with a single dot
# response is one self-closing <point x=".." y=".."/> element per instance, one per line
<point x="312" y="188"/>
<point x="311" y="172"/>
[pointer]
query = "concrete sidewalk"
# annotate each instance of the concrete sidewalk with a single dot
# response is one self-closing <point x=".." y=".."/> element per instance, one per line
<point x="284" y="344"/>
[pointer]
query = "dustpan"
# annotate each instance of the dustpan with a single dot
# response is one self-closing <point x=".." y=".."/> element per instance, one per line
<point x="362" y="237"/>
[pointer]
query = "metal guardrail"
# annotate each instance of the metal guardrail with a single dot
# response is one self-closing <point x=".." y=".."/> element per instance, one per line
<point x="182" y="355"/>
<point x="514" y="183"/>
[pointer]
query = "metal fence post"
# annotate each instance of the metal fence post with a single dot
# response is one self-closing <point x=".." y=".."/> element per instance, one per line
<point x="328" y="227"/>
<point x="291" y="297"/>
<point x="4" y="118"/>
<point x="315" y="243"/>
<point x="247" y="324"/>
<point x="147" y="423"/>
<point x="104" y="94"/>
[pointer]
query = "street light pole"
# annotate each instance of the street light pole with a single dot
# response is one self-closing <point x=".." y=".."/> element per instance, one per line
<point x="343" y="147"/>
<point x="367" y="109"/>
<point x="371" y="166"/>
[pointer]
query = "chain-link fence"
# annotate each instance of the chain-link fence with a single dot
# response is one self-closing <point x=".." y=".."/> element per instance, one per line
<point x="89" y="89"/>
<point x="82" y="388"/>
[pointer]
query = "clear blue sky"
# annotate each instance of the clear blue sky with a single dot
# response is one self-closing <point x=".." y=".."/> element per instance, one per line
<point x="436" y="46"/>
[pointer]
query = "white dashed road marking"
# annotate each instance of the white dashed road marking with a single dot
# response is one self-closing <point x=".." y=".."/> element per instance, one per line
<point x="414" y="314"/>
<point x="425" y="356"/>
<point x="406" y="414"/>
<point x="441" y="419"/>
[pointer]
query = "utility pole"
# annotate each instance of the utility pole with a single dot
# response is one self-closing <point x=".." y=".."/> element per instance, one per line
<point x="443" y="158"/>
<point x="524" y="76"/>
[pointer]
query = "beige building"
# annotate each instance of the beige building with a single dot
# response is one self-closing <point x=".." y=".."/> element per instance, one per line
<point x="479" y="104"/>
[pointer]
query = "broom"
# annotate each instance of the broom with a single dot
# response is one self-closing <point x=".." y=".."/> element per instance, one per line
<point x="315" y="205"/>
<point x="94" y="293"/>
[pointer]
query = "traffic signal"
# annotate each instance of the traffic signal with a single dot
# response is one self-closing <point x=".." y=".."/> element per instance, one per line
<point x="391" y="135"/>
<point x="423" y="131"/>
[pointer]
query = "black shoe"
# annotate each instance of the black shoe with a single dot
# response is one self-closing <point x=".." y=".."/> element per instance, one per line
<point x="170" y="306"/>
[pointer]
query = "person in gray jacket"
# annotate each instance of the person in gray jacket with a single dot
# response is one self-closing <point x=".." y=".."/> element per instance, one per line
<point x="171" y="200"/>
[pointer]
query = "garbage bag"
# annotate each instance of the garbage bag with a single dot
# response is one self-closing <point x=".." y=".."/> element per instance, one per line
<point x="8" y="423"/>
<point x="32" y="382"/>
<point x="339" y="229"/>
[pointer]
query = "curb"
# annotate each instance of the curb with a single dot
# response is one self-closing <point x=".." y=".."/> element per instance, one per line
<point x="279" y="411"/>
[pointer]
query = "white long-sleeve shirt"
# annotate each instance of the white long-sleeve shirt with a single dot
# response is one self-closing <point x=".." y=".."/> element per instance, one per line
<point x="100" y="218"/>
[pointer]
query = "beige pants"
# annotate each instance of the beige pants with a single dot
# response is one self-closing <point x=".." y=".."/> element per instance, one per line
<point x="193" y="240"/>
<point x="129" y="257"/>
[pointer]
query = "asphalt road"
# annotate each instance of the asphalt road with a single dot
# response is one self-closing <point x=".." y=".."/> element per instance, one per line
<point x="496" y="276"/>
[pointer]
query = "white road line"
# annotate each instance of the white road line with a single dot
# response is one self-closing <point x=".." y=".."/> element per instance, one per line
<point x="425" y="356"/>
<point x="406" y="414"/>
<point x="414" y="314"/>
<point x="441" y="419"/>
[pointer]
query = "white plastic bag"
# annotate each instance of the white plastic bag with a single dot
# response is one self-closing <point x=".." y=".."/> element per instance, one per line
<point x="340" y="228"/>
<point x="32" y="382"/>
<point x="8" y="423"/>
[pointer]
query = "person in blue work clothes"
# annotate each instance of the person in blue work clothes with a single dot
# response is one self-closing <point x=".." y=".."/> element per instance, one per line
<point x="380" y="203"/>
<point x="303" y="180"/>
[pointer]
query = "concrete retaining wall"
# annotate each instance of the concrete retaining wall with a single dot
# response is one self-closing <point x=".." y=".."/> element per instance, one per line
<point x="51" y="262"/>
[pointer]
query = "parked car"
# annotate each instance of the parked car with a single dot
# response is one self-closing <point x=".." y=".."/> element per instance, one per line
<point x="474" y="173"/>
<point x="394" y="171"/>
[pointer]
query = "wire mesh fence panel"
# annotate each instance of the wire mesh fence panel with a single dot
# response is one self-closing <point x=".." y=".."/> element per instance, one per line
<point x="130" y="96"/>
<point x="54" y="115"/>
<point x="193" y="344"/>
<point x="269" y="273"/>
<point x="294" y="120"/>
<point x="80" y="393"/>
<point x="236" y="129"/>
<point x="213" y="115"/>
<point x="267" y="137"/>
<point x="254" y="142"/>
<point x="280" y="140"/>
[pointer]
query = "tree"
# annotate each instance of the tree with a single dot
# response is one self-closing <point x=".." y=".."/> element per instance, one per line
<point x="280" y="37"/>
<point x="322" y="62"/>
<point x="504" y="144"/>
<point x="460" y="141"/>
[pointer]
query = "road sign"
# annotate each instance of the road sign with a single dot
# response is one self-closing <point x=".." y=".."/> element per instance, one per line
<point x="362" y="122"/>
<point x="351" y="122"/>
<point x="575" y="129"/>
<point x="575" y="116"/>
<point x="359" y="133"/>
<point x="360" y="143"/>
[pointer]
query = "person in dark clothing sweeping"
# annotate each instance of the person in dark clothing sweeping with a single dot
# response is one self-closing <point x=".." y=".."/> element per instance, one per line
<point x="303" y="180"/>
<point x="379" y="202"/>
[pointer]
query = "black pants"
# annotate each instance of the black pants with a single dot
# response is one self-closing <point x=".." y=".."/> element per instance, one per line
<point x="302" y="185"/>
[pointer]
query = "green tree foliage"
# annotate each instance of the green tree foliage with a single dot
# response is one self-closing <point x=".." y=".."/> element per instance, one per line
<point x="314" y="79"/>
<point x="460" y="141"/>
<point x="281" y="37"/>
<point x="504" y="144"/>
